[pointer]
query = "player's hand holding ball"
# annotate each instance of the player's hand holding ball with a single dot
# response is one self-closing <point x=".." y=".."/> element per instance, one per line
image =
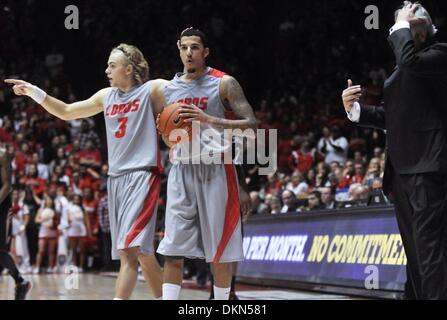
<point x="191" y="113"/>
<point x="170" y="119"/>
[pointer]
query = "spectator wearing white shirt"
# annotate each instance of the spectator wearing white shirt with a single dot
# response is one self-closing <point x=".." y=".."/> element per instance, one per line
<point x="297" y="183"/>
<point x="335" y="147"/>
<point x="42" y="169"/>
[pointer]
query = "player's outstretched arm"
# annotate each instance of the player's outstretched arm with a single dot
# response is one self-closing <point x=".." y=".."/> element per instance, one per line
<point x="58" y="108"/>
<point x="233" y="98"/>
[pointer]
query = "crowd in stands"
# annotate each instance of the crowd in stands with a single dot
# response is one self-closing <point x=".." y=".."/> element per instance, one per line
<point x="293" y="63"/>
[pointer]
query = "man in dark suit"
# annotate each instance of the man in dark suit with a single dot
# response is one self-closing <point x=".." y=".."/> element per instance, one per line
<point x="414" y="115"/>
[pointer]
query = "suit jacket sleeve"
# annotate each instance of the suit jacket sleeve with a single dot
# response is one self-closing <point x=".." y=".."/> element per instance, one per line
<point x="431" y="62"/>
<point x="372" y="116"/>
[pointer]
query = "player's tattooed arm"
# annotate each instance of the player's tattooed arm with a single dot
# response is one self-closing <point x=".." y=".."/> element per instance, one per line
<point x="5" y="169"/>
<point x="58" y="108"/>
<point x="233" y="98"/>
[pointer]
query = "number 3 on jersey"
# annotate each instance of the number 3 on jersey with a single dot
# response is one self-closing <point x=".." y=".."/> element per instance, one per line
<point x="122" y="129"/>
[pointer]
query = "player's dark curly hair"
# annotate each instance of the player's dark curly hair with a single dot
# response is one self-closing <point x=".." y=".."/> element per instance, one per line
<point x="189" y="32"/>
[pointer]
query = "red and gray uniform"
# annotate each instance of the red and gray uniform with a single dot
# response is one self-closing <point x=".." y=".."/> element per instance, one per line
<point x="202" y="210"/>
<point x="134" y="179"/>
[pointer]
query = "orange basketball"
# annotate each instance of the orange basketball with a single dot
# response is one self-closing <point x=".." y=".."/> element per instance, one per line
<point x="170" y="120"/>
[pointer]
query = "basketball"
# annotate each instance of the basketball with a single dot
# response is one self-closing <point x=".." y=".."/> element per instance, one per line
<point x="170" y="120"/>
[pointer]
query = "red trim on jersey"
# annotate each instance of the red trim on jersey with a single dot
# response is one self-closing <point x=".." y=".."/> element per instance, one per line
<point x="216" y="73"/>
<point x="148" y="208"/>
<point x="232" y="211"/>
<point x="159" y="165"/>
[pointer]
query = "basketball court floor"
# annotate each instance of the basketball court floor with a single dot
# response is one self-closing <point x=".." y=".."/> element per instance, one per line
<point x="100" y="286"/>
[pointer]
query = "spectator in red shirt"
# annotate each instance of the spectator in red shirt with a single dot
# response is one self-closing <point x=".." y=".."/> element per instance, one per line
<point x="359" y="173"/>
<point x="18" y="140"/>
<point x="75" y="151"/>
<point x="86" y="178"/>
<point x="32" y="180"/>
<point x="23" y="157"/>
<point x="90" y="156"/>
<point x="347" y="175"/>
<point x="5" y="131"/>
<point x="274" y="184"/>
<point x="354" y="174"/>
<point x="303" y="158"/>
<point x="33" y="109"/>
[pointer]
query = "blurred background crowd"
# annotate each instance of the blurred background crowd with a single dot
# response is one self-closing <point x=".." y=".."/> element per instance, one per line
<point x="292" y="60"/>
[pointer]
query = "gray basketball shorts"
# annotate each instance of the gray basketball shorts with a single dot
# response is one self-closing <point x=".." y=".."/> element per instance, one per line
<point x="133" y="210"/>
<point x="203" y="213"/>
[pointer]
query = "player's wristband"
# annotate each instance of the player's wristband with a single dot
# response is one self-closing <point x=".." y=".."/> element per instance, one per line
<point x="37" y="94"/>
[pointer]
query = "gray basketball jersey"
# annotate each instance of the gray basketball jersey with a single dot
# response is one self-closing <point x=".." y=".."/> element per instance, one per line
<point x="132" y="138"/>
<point x="204" y="93"/>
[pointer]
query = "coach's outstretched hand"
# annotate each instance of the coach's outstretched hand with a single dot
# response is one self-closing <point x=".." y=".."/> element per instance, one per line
<point x="350" y="95"/>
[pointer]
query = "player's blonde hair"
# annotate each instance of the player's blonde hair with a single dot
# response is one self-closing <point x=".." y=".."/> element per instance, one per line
<point x="135" y="58"/>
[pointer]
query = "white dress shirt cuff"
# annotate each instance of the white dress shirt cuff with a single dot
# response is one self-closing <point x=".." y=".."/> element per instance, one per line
<point x="400" y="25"/>
<point x="354" y="115"/>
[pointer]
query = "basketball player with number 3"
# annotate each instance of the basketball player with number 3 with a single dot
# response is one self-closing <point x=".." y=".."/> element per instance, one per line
<point x="130" y="105"/>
